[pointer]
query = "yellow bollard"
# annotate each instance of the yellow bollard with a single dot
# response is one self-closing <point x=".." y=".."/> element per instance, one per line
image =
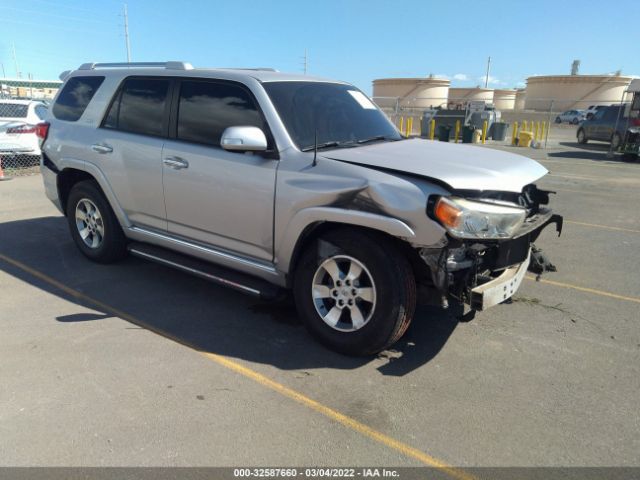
<point x="535" y="129"/>
<point x="542" y="125"/>
<point x="484" y="132"/>
<point x="409" y="125"/>
<point x="401" y="124"/>
<point x="432" y="129"/>
<point x="514" y="133"/>
<point x="524" y="125"/>
<point x="457" y="131"/>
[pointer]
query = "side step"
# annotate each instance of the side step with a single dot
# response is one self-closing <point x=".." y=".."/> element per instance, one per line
<point x="214" y="273"/>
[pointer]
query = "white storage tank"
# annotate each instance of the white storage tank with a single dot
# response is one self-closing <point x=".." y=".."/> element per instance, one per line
<point x="574" y="91"/>
<point x="504" y="99"/>
<point x="459" y="96"/>
<point x="420" y="93"/>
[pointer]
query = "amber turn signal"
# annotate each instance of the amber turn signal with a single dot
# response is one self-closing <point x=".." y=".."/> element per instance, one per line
<point x="448" y="213"/>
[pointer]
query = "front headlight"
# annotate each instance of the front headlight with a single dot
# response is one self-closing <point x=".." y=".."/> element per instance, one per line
<point x="468" y="219"/>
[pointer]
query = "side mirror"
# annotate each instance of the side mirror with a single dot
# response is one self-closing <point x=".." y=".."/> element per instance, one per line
<point x="243" y="139"/>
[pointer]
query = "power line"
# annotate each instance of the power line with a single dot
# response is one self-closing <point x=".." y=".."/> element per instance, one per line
<point x="65" y="17"/>
<point x="19" y="22"/>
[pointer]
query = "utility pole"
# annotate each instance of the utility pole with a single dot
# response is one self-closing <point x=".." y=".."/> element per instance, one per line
<point x="486" y="78"/>
<point x="15" y="59"/>
<point x="305" y="61"/>
<point x="126" y="33"/>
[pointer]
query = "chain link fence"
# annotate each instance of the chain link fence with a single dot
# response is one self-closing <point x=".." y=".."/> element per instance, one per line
<point x="19" y="142"/>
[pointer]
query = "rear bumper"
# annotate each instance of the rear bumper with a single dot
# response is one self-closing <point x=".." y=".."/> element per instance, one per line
<point x="50" y="181"/>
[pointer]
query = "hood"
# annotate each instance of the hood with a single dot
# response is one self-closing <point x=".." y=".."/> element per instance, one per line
<point x="462" y="167"/>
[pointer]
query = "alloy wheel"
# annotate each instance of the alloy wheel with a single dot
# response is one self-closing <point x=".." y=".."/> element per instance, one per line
<point x="344" y="293"/>
<point x="89" y="223"/>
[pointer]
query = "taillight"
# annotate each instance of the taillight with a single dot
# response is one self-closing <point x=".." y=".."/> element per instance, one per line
<point x="635" y="122"/>
<point x="42" y="130"/>
<point x="22" y="129"/>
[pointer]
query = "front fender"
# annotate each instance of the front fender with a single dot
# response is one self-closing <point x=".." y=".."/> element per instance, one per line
<point x="308" y="216"/>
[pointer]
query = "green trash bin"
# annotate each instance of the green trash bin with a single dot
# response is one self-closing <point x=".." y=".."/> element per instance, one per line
<point x="467" y="133"/>
<point x="444" y="131"/>
<point x="499" y="131"/>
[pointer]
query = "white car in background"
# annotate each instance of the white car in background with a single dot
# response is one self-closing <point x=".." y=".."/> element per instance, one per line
<point x="573" y="117"/>
<point x="18" y="120"/>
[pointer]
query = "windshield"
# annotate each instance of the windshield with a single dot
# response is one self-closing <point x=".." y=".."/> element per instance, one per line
<point x="341" y="114"/>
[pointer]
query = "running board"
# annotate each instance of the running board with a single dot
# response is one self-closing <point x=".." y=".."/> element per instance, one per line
<point x="214" y="273"/>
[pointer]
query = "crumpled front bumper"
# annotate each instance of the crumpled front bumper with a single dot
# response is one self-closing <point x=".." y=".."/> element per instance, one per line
<point x="500" y="288"/>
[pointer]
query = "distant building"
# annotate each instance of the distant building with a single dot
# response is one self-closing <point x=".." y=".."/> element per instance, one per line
<point x="28" y="88"/>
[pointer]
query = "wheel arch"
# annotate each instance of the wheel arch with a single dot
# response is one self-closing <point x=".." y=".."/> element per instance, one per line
<point x="317" y="228"/>
<point x="74" y="173"/>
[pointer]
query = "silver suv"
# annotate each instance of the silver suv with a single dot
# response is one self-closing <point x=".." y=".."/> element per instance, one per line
<point x="267" y="182"/>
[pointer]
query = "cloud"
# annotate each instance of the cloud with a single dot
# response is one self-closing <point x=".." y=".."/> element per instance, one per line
<point x="463" y="77"/>
<point x="492" y="80"/>
<point x="521" y="84"/>
<point x="441" y="75"/>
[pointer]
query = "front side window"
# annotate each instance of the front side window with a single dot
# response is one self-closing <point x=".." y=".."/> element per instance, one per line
<point x="139" y="107"/>
<point x="206" y="109"/>
<point x="75" y="97"/>
<point x="336" y="112"/>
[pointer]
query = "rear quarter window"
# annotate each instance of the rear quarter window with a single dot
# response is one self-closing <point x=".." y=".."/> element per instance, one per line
<point x="75" y="97"/>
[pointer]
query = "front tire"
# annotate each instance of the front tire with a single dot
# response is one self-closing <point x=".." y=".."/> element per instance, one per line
<point x="582" y="136"/>
<point x="575" y="121"/>
<point x="93" y="225"/>
<point x="355" y="291"/>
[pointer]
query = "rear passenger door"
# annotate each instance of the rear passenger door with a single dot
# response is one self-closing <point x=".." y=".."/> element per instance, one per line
<point x="212" y="196"/>
<point x="129" y="148"/>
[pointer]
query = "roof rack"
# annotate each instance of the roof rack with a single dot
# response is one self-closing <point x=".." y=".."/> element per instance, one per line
<point x="166" y="65"/>
<point x="257" y="69"/>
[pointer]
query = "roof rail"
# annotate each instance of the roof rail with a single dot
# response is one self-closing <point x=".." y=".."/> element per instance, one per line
<point x="166" y="65"/>
<point x="257" y="69"/>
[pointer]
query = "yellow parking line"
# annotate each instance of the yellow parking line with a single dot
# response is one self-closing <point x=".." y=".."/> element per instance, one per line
<point x="586" y="290"/>
<point x="263" y="380"/>
<point x="595" y="225"/>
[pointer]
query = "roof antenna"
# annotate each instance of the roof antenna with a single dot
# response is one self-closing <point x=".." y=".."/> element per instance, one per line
<point x="315" y="149"/>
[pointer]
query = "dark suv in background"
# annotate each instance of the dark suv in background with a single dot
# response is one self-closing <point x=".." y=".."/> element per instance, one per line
<point x="607" y="125"/>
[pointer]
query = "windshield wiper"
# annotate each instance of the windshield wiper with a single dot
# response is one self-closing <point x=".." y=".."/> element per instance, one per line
<point x="376" y="139"/>
<point x="325" y="145"/>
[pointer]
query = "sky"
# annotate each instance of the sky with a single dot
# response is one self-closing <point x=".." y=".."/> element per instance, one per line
<point x="351" y="40"/>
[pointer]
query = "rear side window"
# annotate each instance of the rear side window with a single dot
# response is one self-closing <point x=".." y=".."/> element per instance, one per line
<point x="206" y="109"/>
<point x="41" y="111"/>
<point x="75" y="96"/>
<point x="13" y="110"/>
<point x="139" y="107"/>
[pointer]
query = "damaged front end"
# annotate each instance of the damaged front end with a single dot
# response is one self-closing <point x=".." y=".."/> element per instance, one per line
<point x="482" y="272"/>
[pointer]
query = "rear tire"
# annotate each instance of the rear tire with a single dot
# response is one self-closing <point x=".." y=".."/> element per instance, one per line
<point x="582" y="136"/>
<point x="558" y="120"/>
<point x="93" y="225"/>
<point x="383" y="291"/>
<point x="575" y="121"/>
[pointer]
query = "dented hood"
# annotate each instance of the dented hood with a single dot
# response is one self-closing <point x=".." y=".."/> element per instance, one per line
<point x="462" y="167"/>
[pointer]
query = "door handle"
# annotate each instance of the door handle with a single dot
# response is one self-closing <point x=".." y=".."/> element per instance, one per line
<point x="101" y="148"/>
<point x="176" y="163"/>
